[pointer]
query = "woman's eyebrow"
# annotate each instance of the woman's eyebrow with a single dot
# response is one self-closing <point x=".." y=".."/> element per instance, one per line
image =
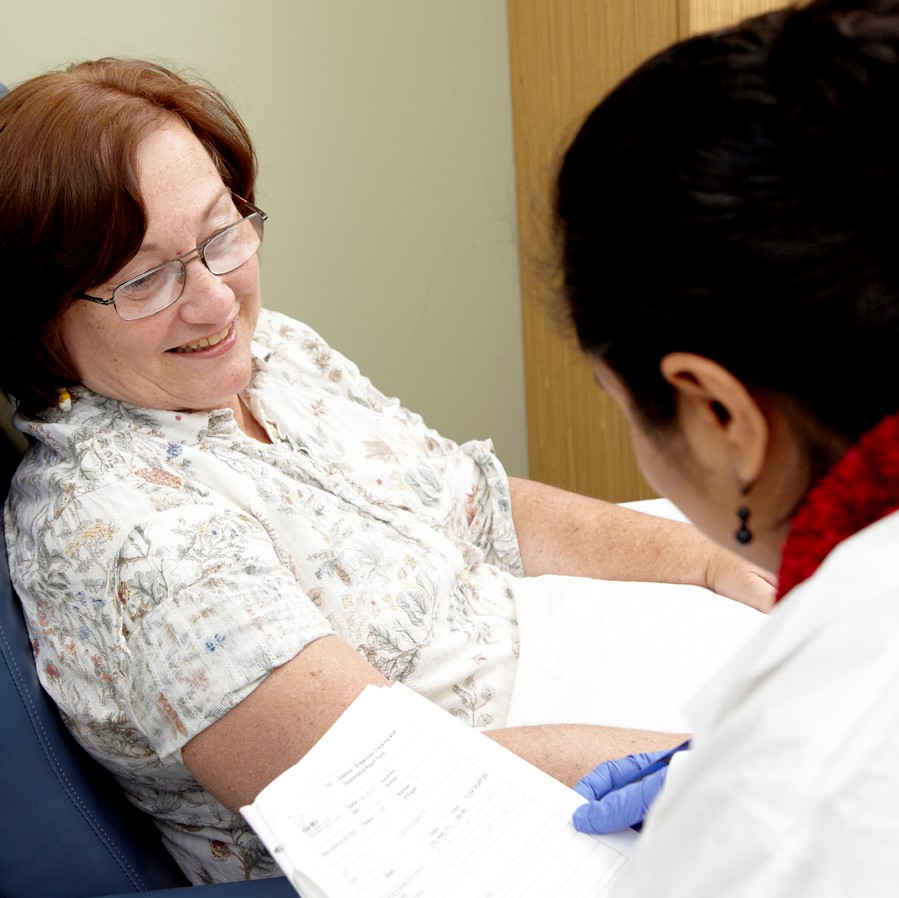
<point x="205" y="215"/>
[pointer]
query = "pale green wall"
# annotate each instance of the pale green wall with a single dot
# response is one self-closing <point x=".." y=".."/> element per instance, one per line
<point x="384" y="134"/>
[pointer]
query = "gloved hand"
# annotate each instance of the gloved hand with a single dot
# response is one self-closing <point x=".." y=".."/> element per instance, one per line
<point x="620" y="792"/>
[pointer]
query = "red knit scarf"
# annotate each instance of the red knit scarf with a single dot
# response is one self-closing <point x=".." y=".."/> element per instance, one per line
<point x="861" y="488"/>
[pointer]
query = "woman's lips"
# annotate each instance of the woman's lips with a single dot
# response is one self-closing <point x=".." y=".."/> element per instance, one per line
<point x="205" y="343"/>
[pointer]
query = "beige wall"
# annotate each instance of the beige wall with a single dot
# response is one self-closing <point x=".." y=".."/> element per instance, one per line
<point x="385" y="139"/>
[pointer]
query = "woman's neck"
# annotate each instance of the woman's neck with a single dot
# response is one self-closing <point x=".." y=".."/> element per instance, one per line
<point x="247" y="422"/>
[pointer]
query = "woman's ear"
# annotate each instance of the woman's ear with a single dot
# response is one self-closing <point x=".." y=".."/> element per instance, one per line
<point x="718" y="416"/>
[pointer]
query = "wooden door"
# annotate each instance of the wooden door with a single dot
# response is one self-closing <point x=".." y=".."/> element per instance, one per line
<point x="565" y="55"/>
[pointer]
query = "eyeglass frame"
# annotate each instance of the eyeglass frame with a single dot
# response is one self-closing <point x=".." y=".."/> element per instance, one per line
<point x="198" y="252"/>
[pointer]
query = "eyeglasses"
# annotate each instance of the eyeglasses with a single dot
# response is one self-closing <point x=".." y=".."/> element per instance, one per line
<point x="160" y="287"/>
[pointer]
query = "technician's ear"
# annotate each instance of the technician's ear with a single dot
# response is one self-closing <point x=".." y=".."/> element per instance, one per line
<point x="717" y="414"/>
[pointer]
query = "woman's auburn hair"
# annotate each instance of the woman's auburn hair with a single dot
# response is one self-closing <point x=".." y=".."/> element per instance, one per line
<point x="71" y="213"/>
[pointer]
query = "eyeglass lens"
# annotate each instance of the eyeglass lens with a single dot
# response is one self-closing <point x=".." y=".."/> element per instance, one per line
<point x="158" y="288"/>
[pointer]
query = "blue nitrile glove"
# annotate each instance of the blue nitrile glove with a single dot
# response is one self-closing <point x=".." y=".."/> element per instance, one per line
<point x="620" y="792"/>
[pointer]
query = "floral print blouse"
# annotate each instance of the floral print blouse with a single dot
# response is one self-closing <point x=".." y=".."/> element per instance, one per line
<point x="167" y="563"/>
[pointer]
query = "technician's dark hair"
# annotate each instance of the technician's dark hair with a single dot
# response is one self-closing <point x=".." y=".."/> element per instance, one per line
<point x="737" y="197"/>
<point x="71" y="213"/>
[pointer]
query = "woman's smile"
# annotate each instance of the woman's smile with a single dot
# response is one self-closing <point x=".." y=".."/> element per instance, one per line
<point x="205" y="343"/>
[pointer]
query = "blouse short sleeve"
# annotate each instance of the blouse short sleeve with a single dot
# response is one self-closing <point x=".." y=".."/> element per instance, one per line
<point x="208" y="610"/>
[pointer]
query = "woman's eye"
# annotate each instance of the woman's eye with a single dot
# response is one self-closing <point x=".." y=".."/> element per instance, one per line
<point x="144" y="284"/>
<point x="225" y="237"/>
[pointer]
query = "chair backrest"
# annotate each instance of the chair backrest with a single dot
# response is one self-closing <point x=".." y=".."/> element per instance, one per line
<point x="67" y="830"/>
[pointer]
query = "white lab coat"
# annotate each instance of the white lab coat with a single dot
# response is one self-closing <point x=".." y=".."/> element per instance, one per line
<point x="792" y="788"/>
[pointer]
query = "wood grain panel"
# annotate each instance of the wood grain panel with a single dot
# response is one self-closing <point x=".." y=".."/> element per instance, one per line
<point x="706" y="15"/>
<point x="565" y="55"/>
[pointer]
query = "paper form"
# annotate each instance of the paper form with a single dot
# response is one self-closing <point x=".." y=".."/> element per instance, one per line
<point x="399" y="799"/>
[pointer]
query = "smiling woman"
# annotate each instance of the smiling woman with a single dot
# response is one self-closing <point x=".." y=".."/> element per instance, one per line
<point x="225" y="532"/>
<point x="105" y="145"/>
<point x="192" y="351"/>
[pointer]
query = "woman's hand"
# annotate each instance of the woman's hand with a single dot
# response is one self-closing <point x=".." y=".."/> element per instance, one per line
<point x="731" y="576"/>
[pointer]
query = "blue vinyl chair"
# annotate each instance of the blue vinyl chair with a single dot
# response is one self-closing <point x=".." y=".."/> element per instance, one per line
<point x="67" y="830"/>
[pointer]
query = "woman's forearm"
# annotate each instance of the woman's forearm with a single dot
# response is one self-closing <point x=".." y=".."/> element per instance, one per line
<point x="565" y="533"/>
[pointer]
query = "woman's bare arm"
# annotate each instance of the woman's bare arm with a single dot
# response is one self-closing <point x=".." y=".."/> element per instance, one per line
<point x="291" y="710"/>
<point x="567" y="751"/>
<point x="565" y="533"/>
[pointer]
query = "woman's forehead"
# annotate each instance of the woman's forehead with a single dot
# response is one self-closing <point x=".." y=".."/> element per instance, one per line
<point x="179" y="181"/>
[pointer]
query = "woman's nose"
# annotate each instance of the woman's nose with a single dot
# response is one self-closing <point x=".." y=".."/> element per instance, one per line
<point x="207" y="297"/>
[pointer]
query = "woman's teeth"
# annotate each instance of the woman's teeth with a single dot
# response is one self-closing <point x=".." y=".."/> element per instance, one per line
<point x="205" y="342"/>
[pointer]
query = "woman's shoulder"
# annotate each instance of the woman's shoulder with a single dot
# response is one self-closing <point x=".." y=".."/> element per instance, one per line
<point x="87" y="471"/>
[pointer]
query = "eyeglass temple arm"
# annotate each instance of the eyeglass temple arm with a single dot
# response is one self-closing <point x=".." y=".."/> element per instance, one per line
<point x="252" y="206"/>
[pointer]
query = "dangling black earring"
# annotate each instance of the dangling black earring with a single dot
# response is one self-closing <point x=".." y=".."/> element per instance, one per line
<point x="744" y="534"/>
